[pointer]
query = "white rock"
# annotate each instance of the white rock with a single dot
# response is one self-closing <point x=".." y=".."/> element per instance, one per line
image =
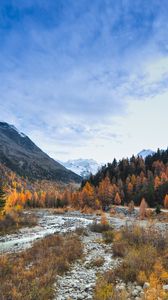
<point x="146" y="285"/>
<point x="165" y="287"/>
<point x="135" y="292"/>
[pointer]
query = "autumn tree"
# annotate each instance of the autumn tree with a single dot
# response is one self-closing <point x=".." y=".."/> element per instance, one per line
<point x="105" y="192"/>
<point x="142" y="208"/>
<point x="156" y="182"/>
<point x="87" y="195"/>
<point x="166" y="201"/>
<point x="11" y="200"/>
<point x="117" y="199"/>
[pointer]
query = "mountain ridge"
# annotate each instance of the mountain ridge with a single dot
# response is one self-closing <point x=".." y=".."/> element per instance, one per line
<point x="82" y="167"/>
<point x="20" y="154"/>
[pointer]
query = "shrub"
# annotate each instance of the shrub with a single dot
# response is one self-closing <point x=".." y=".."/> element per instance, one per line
<point x="140" y="249"/>
<point x="141" y="259"/>
<point x="99" y="228"/>
<point x="81" y="231"/>
<point x="120" y="248"/>
<point x="60" y="210"/>
<point x="137" y="236"/>
<point x="98" y="262"/>
<point x="157" y="277"/>
<point x="108" y="236"/>
<point x="104" y="290"/>
<point x="15" y="220"/>
<point x="157" y="209"/>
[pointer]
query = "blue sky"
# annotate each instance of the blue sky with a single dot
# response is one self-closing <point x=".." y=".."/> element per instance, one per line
<point x="86" y="78"/>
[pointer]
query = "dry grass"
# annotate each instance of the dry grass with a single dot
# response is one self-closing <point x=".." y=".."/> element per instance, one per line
<point x="108" y="236"/>
<point x="141" y="249"/>
<point x="88" y="210"/>
<point x="144" y="258"/>
<point x="30" y="275"/>
<point x="81" y="231"/>
<point x="13" y="221"/>
<point x="60" y="210"/>
<point x="98" y="262"/>
<point x="101" y="226"/>
<point x="106" y="291"/>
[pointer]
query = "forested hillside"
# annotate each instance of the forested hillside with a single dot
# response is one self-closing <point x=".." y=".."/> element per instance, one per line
<point x="132" y="179"/>
<point x="21" y="192"/>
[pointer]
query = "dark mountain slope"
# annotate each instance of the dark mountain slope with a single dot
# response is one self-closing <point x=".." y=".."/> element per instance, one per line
<point x="21" y="155"/>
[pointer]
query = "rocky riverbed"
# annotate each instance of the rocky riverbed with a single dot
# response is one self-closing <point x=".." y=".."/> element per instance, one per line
<point x="48" y="223"/>
<point x="79" y="282"/>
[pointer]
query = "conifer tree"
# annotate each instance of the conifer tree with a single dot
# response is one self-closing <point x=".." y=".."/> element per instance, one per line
<point x="2" y="199"/>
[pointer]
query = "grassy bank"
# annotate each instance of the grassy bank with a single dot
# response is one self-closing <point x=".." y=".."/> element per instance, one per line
<point x="31" y="274"/>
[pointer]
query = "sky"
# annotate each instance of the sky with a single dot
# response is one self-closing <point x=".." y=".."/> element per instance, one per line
<point x="86" y="79"/>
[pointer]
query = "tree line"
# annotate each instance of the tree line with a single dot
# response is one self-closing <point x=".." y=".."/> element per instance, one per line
<point x="124" y="182"/>
<point x="131" y="180"/>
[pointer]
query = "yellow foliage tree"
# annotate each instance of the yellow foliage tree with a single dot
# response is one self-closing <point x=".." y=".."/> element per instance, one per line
<point x="166" y="201"/>
<point x="142" y="208"/>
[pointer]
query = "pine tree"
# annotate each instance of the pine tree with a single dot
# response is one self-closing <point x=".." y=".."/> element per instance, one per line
<point x="157" y="209"/>
<point x="2" y="199"/>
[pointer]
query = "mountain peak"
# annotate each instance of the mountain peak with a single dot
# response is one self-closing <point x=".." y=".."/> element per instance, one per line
<point x="21" y="155"/>
<point x="7" y="126"/>
<point x="145" y="152"/>
<point x="82" y="167"/>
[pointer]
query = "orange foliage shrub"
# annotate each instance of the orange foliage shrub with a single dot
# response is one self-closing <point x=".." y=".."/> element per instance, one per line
<point x="166" y="201"/>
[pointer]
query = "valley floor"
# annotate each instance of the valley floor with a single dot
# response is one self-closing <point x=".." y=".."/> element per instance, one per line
<point x="79" y="281"/>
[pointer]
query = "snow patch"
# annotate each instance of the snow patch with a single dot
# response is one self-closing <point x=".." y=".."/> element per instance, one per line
<point x="19" y="132"/>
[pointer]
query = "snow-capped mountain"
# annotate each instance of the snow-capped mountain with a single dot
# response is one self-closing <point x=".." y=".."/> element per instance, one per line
<point x="144" y="153"/>
<point x="82" y="167"/>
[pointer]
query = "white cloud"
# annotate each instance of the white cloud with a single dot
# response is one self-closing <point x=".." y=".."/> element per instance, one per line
<point x="69" y="81"/>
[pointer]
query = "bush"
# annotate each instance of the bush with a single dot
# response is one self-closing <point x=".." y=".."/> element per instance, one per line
<point x="99" y="228"/>
<point x="15" y="220"/>
<point x="98" y="262"/>
<point x="141" y="259"/>
<point x="81" y="231"/>
<point x="157" y="209"/>
<point x="60" y="210"/>
<point x="140" y="249"/>
<point x="104" y="290"/>
<point x="120" y="248"/>
<point x="137" y="236"/>
<point x="102" y="226"/>
<point x="108" y="236"/>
